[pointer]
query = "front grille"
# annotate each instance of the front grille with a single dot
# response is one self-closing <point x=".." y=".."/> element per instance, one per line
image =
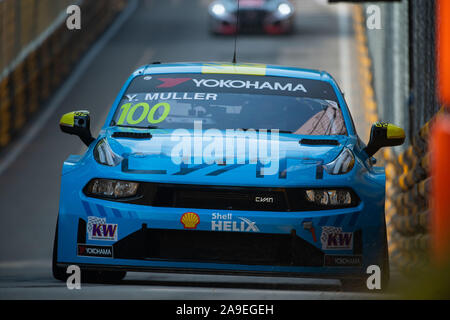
<point x="225" y="198"/>
<point x="251" y="19"/>
<point x="220" y="198"/>
<point x="219" y="247"/>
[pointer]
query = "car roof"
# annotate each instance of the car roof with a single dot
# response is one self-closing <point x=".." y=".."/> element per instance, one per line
<point x="230" y="68"/>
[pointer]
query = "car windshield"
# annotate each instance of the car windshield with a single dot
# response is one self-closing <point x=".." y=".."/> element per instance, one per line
<point x="300" y="106"/>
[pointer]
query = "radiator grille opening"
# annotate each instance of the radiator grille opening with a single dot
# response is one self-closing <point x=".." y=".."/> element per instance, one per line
<point x="219" y="247"/>
<point x="226" y="198"/>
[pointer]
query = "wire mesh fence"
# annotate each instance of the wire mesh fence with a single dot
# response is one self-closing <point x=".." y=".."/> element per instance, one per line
<point x="404" y="67"/>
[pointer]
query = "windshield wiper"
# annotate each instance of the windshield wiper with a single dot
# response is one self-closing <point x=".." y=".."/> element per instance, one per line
<point x="269" y="130"/>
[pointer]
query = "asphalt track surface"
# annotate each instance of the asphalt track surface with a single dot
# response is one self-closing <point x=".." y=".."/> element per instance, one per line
<point x="167" y="31"/>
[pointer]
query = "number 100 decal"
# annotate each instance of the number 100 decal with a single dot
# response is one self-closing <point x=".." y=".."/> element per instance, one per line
<point x="128" y="110"/>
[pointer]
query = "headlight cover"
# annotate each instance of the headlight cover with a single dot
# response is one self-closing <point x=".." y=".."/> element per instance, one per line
<point x="103" y="154"/>
<point x="331" y="197"/>
<point x="342" y="164"/>
<point x="113" y="189"/>
<point x="284" y="9"/>
<point x="218" y="9"/>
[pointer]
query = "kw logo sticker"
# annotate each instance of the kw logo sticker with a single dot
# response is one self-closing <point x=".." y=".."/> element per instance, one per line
<point x="98" y="229"/>
<point x="333" y="238"/>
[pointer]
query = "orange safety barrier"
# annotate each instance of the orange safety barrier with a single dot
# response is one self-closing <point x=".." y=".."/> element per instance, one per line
<point x="440" y="145"/>
<point x="440" y="190"/>
<point x="443" y="53"/>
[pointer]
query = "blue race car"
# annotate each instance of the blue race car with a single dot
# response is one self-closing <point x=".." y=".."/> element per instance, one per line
<point x="227" y="168"/>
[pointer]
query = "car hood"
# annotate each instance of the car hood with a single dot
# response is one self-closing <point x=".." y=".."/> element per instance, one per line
<point x="155" y="158"/>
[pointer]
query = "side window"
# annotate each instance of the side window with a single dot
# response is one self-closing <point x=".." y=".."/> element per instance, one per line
<point x="351" y="117"/>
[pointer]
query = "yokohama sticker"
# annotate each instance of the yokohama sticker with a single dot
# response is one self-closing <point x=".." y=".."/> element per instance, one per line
<point x="247" y="84"/>
<point x="94" y="251"/>
<point x="343" y="261"/>
<point x="333" y="238"/>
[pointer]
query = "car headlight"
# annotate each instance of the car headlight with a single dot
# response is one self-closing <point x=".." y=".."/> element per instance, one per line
<point x="218" y="9"/>
<point x="342" y="164"/>
<point x="103" y="154"/>
<point x="284" y="9"/>
<point x="114" y="189"/>
<point x="332" y="197"/>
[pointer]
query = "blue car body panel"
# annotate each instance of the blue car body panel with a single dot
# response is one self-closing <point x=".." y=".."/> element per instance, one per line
<point x="365" y="220"/>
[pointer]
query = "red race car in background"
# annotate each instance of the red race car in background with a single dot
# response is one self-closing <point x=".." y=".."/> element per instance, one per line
<point x="267" y="16"/>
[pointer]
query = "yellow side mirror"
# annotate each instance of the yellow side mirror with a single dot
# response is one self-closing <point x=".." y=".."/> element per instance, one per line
<point x="77" y="123"/>
<point x="384" y="134"/>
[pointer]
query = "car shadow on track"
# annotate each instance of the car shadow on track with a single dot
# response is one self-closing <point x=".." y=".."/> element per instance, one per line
<point x="233" y="282"/>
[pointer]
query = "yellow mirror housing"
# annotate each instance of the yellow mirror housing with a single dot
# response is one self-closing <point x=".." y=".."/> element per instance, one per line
<point x="384" y="134"/>
<point x="77" y="123"/>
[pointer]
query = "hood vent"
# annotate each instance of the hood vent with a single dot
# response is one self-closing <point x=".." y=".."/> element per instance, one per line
<point x="132" y="135"/>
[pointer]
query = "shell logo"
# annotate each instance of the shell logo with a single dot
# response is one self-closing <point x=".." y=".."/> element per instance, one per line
<point x="190" y="220"/>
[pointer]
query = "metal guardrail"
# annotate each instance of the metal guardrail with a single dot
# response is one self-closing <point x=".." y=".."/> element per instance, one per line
<point x="37" y="54"/>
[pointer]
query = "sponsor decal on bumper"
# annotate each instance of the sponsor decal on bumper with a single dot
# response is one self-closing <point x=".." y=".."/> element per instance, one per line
<point x="86" y="250"/>
<point x="333" y="238"/>
<point x="343" y="261"/>
<point x="98" y="229"/>
<point x="225" y="222"/>
<point x="190" y="220"/>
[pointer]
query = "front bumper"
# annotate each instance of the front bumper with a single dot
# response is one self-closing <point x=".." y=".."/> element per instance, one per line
<point x="103" y="234"/>
<point x="251" y="21"/>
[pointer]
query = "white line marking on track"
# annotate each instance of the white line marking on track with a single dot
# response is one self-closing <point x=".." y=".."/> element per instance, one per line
<point x="25" y="264"/>
<point x="59" y="96"/>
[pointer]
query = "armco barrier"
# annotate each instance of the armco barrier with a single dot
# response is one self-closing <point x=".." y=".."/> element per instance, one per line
<point x="30" y="83"/>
